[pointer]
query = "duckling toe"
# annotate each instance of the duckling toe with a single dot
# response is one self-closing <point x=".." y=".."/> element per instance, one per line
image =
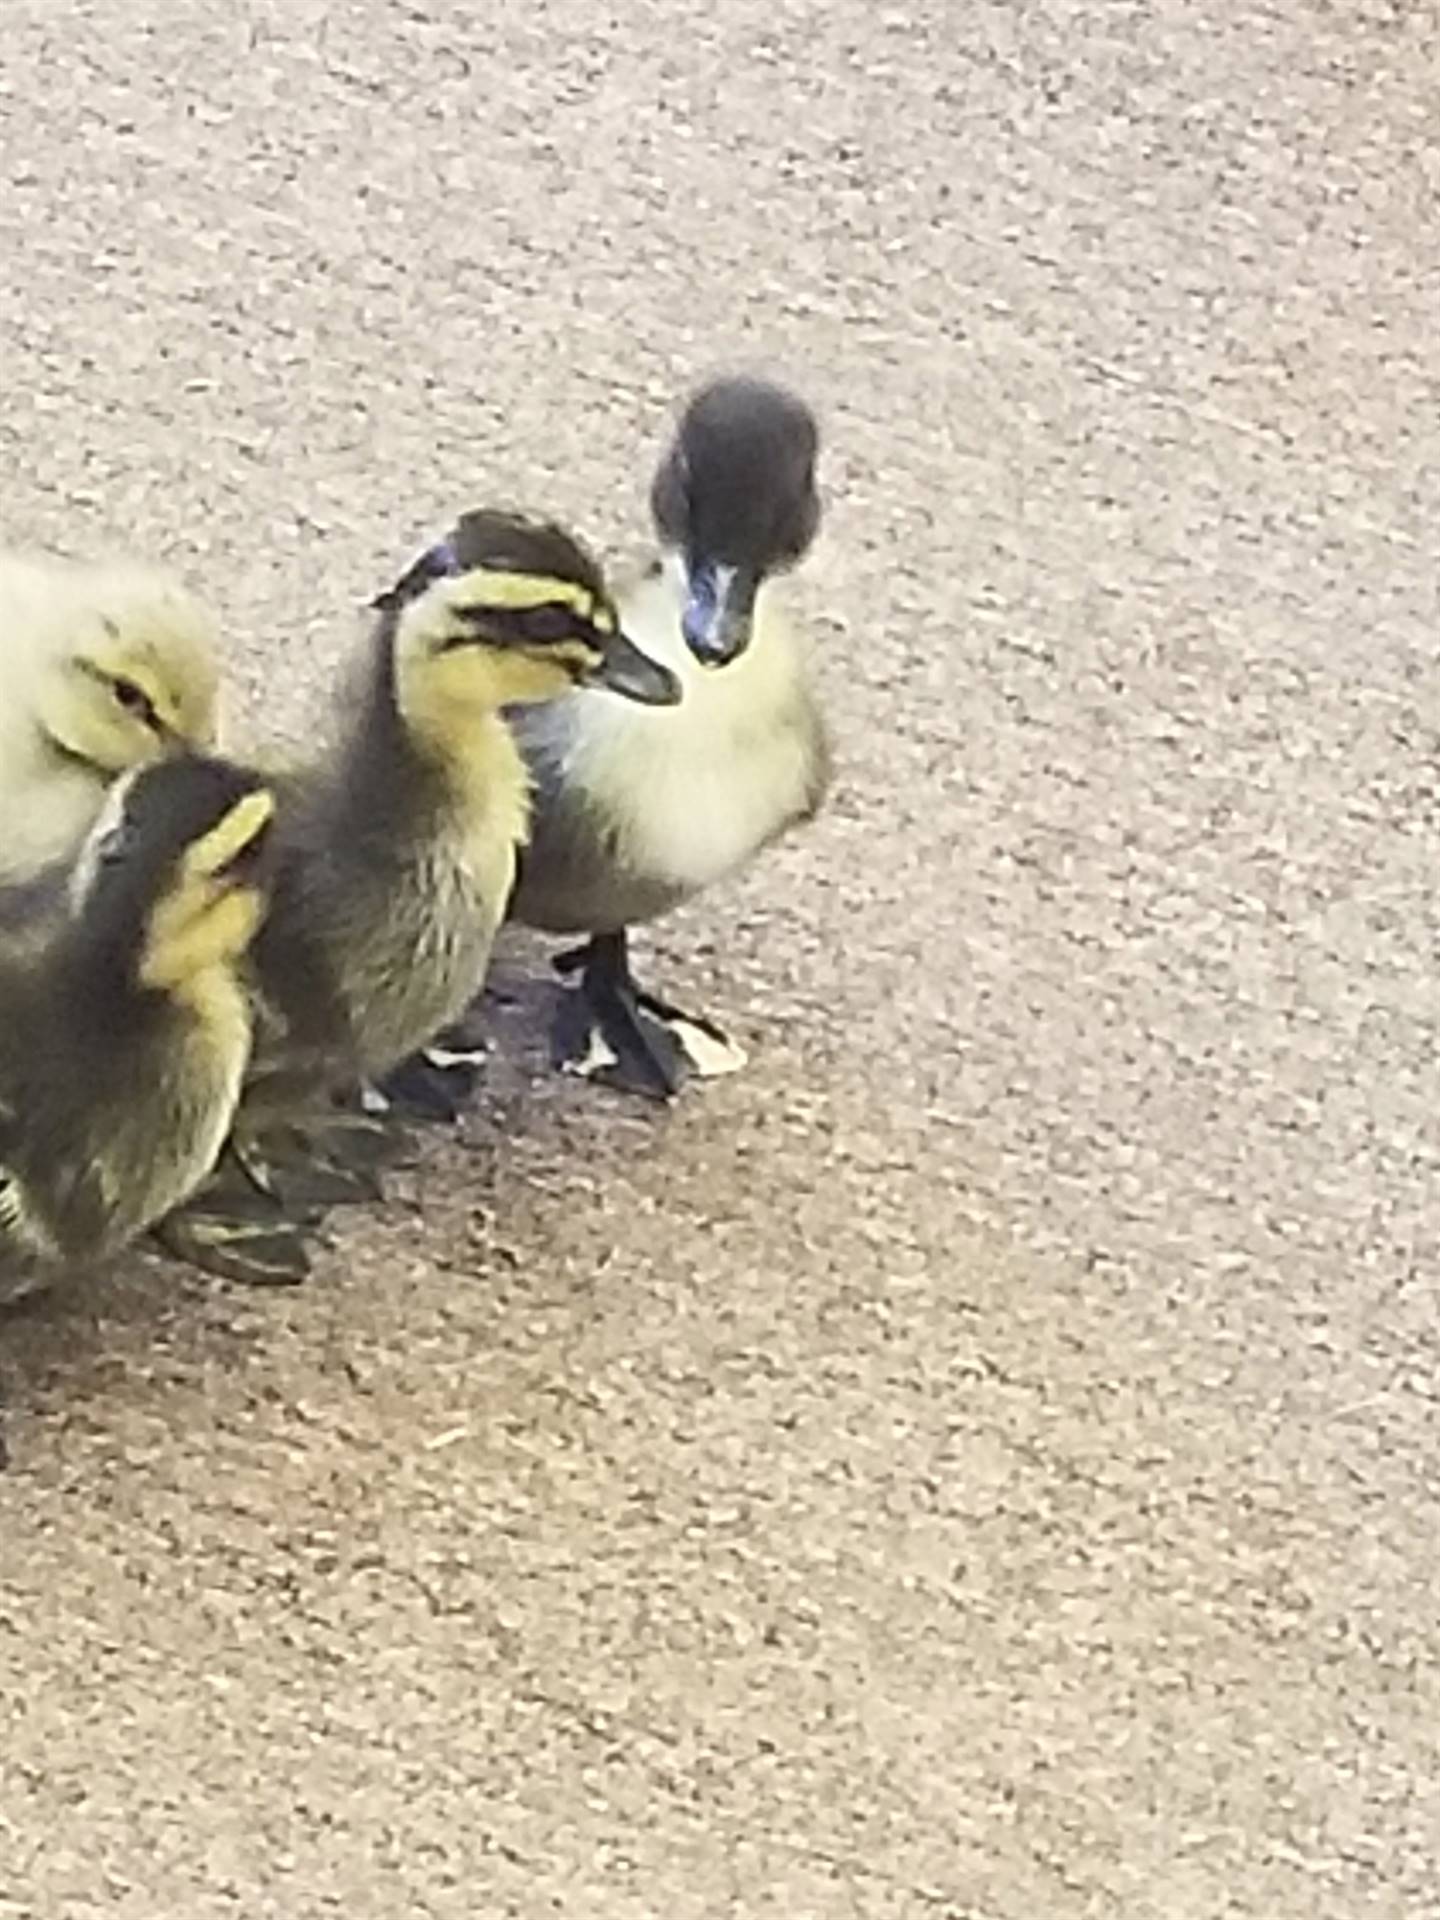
<point x="363" y="1140"/>
<point x="308" y="1189"/>
<point x="305" y="1170"/>
<point x="709" y="1051"/>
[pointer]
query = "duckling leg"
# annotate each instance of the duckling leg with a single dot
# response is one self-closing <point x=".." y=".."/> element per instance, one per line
<point x="609" y="1029"/>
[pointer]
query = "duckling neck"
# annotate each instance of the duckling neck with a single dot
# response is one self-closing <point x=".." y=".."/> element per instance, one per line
<point x="424" y="760"/>
<point x="91" y="973"/>
<point x="475" y="756"/>
<point x="99" y="1020"/>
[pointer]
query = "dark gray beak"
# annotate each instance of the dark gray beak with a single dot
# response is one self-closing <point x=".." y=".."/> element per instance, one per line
<point x="719" y="611"/>
<point x="626" y="670"/>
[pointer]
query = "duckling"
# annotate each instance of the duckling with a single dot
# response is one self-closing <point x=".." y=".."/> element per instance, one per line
<point x="102" y="668"/>
<point x="637" y="811"/>
<point x="395" y="856"/>
<point x="125" y="1034"/>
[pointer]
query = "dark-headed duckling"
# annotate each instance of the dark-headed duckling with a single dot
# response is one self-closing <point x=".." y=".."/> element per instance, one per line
<point x="637" y="811"/>
<point x="125" y="1031"/>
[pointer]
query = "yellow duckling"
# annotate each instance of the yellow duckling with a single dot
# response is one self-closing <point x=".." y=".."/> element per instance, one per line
<point x="102" y="668"/>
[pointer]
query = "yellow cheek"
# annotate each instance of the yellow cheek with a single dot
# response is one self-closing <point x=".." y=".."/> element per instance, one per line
<point x="151" y="746"/>
<point x="528" y="677"/>
<point x="196" y="727"/>
<point x="126" y="743"/>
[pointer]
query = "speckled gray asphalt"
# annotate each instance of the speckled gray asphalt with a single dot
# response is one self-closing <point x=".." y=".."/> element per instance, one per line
<point x="980" y="1463"/>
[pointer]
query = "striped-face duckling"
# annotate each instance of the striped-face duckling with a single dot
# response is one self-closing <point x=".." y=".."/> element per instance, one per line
<point x="396" y="852"/>
<point x="397" y="857"/>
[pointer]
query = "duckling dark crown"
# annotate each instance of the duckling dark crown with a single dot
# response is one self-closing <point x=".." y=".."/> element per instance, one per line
<point x="737" y="486"/>
<point x="503" y="543"/>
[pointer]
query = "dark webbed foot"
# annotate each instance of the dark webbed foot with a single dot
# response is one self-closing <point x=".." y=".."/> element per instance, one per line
<point x="259" y="1215"/>
<point x="325" y="1157"/>
<point x="438" y="1081"/>
<point x="365" y="1143"/>
<point x="293" y="1167"/>
<point x="608" y="1029"/>
<point x="238" y="1237"/>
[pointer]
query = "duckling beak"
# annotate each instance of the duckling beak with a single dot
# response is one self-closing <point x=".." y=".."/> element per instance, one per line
<point x="719" y="611"/>
<point x="626" y="670"/>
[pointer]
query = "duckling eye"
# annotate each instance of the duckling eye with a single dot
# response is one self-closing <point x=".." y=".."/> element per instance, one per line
<point x="136" y="701"/>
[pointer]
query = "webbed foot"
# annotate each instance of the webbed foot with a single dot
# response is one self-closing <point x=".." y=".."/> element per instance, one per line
<point x="438" y="1081"/>
<point x="253" y="1242"/>
<point x="609" y="1029"/>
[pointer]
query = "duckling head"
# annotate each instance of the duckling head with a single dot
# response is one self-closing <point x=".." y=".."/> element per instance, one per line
<point x="735" y="498"/>
<point x="172" y="880"/>
<point x="506" y="611"/>
<point x="132" y="675"/>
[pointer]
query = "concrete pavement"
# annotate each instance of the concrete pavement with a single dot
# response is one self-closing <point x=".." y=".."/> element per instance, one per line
<point x="982" y="1462"/>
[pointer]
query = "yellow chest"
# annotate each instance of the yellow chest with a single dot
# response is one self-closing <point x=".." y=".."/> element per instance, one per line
<point x="492" y="786"/>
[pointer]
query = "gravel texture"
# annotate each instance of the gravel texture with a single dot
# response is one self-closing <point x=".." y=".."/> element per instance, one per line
<point x="981" y="1463"/>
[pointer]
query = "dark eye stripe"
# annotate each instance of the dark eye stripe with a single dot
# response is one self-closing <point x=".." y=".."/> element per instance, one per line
<point x="548" y="624"/>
